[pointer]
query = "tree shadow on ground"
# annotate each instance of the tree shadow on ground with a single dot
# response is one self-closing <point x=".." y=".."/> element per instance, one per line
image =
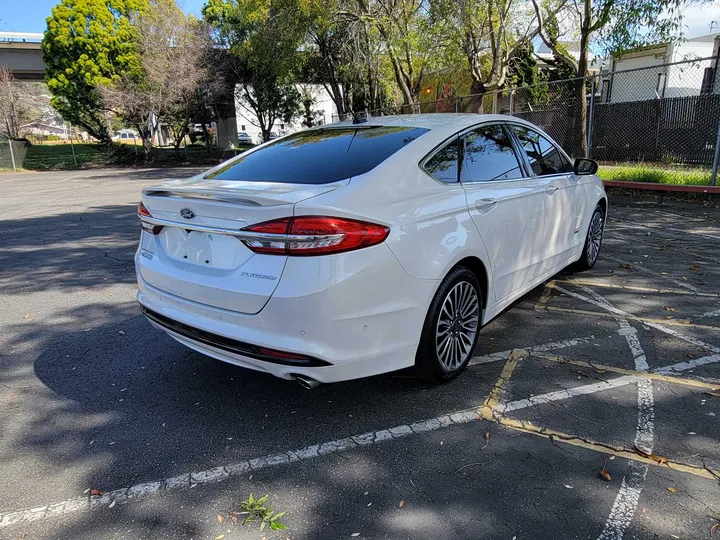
<point x="69" y="251"/>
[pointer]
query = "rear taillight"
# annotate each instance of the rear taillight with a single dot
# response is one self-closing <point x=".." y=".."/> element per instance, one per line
<point x="147" y="225"/>
<point x="314" y="235"/>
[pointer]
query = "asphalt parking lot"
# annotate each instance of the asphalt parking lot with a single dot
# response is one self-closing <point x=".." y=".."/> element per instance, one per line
<point x="617" y="369"/>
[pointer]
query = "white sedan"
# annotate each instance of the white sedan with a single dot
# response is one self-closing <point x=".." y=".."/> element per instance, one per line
<point x="355" y="249"/>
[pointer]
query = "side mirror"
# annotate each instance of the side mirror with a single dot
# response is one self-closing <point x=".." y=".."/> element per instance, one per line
<point x="585" y="166"/>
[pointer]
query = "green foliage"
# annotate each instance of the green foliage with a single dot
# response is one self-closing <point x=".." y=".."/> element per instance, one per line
<point x="638" y="23"/>
<point x="88" y="43"/>
<point x="523" y="71"/>
<point x="260" y="510"/>
<point x="310" y="116"/>
<point x="265" y="37"/>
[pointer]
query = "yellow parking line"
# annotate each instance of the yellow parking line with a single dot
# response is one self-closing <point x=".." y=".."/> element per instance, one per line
<point x="622" y="371"/>
<point x="545" y="296"/>
<point x="488" y="408"/>
<point x="619" y="451"/>
<point x="666" y="322"/>
<point x="635" y="288"/>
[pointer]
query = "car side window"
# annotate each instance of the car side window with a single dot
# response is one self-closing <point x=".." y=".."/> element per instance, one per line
<point x="489" y="155"/>
<point x="544" y="157"/>
<point x="443" y="165"/>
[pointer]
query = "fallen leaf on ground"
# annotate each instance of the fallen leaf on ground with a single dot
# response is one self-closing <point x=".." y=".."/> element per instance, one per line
<point x="402" y="503"/>
<point x="690" y="355"/>
<point x="121" y="332"/>
<point x="671" y="489"/>
<point x="220" y="518"/>
<point x="668" y="308"/>
<point x="604" y="475"/>
<point x="661" y="460"/>
<point x="628" y="266"/>
<point x="219" y="537"/>
<point x="713" y="394"/>
<point x="669" y="317"/>
<point x="517" y="354"/>
<point x="684" y="321"/>
<point x="95" y="492"/>
<point x="355" y="534"/>
<point x="694" y="267"/>
<point x="714" y="528"/>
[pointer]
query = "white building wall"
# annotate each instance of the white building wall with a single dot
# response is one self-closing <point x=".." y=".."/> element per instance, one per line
<point x="637" y="85"/>
<point x="661" y="80"/>
<point x="324" y="104"/>
<point x="686" y="79"/>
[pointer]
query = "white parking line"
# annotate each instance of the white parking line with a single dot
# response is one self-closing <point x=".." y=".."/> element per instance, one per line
<point x="657" y="326"/>
<point x="219" y="474"/>
<point x="551" y="346"/>
<point x="626" y="501"/>
<point x="691" y="364"/>
<point x="566" y="394"/>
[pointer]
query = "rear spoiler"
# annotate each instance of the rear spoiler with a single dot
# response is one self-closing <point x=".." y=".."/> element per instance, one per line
<point x="244" y="193"/>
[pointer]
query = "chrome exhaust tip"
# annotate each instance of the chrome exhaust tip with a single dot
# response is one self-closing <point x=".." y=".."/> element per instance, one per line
<point x="306" y="382"/>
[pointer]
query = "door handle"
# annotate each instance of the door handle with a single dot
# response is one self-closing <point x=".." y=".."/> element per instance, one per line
<point x="485" y="205"/>
<point x="550" y="190"/>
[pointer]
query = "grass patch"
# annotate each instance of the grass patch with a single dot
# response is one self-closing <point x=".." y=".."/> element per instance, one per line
<point x="656" y="175"/>
<point x="43" y="156"/>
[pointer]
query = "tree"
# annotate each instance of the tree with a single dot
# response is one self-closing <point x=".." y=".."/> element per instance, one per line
<point x="336" y="57"/>
<point x="413" y="32"/>
<point x="175" y="54"/>
<point x="10" y="104"/>
<point x="89" y="43"/>
<point x="310" y="116"/>
<point x="491" y="34"/>
<point x="265" y="37"/>
<point x="523" y="72"/>
<point x="620" y="24"/>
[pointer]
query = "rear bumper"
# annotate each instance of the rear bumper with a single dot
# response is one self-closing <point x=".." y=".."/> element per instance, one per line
<point x="359" y="313"/>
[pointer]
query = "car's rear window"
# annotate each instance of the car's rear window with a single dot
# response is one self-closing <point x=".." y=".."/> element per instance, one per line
<point x="320" y="156"/>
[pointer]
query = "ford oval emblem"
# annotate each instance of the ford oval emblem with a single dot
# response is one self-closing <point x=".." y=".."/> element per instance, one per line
<point x="187" y="213"/>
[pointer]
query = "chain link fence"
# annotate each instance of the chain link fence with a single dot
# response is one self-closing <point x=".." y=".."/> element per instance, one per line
<point x="12" y="154"/>
<point x="658" y="123"/>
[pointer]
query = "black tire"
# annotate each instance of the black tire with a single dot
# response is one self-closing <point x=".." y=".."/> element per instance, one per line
<point x="453" y="339"/>
<point x="593" y="242"/>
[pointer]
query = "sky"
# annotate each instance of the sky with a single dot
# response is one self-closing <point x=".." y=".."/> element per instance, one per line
<point x="30" y="15"/>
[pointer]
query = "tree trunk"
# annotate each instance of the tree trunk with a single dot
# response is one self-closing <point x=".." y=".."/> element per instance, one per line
<point x="477" y="91"/>
<point x="580" y="105"/>
<point x="147" y="143"/>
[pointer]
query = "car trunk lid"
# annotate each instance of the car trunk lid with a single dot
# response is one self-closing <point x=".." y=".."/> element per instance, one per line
<point x="195" y="255"/>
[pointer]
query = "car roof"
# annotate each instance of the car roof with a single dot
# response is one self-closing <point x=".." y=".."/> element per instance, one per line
<point x="430" y="120"/>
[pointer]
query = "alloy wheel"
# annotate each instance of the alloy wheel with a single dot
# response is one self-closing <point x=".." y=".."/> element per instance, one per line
<point x="594" y="237"/>
<point x="457" y="326"/>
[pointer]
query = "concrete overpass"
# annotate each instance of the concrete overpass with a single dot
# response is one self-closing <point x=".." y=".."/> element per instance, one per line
<point x="21" y="52"/>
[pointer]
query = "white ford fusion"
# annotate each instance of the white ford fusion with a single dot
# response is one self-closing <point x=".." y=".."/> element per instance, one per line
<point x="355" y="249"/>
